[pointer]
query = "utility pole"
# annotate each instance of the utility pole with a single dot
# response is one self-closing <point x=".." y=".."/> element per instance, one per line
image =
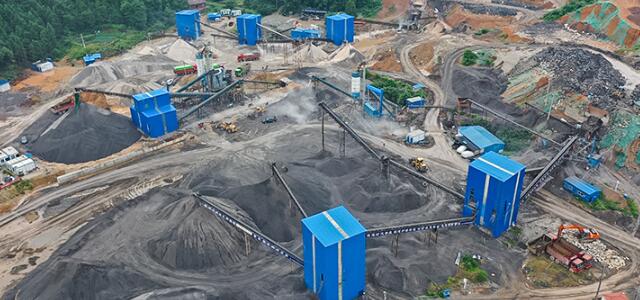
<point x="82" y="38"/>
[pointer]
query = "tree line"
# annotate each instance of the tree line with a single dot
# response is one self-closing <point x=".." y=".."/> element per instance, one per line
<point x="36" y="29"/>
<point x="365" y="8"/>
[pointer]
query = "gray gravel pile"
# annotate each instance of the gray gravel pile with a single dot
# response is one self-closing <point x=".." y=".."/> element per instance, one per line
<point x="489" y="10"/>
<point x="582" y="72"/>
<point x="89" y="134"/>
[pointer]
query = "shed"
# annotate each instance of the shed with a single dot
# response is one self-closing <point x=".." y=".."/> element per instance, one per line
<point x="418" y="86"/>
<point x="304" y="34"/>
<point x="249" y="33"/>
<point x="334" y="254"/>
<point x="188" y="24"/>
<point x="494" y="186"/>
<point x="479" y="138"/>
<point x="40" y="66"/>
<point x="91" y="58"/>
<point x="21" y="165"/>
<point x="5" y="85"/>
<point x="414" y="102"/>
<point x="8" y="154"/>
<point x="213" y="16"/>
<point x="340" y="28"/>
<point x="582" y="189"/>
<point x="415" y="136"/>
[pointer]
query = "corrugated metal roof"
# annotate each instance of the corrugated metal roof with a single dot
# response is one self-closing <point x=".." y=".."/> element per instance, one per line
<point x="498" y="166"/>
<point x="582" y="185"/>
<point x="480" y="136"/>
<point x="415" y="99"/>
<point x="188" y="12"/>
<point x="333" y="225"/>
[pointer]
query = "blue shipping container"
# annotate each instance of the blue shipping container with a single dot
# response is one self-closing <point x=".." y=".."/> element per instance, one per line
<point x="213" y="16"/>
<point x="303" y="34"/>
<point x="494" y="185"/>
<point x="415" y="102"/>
<point x="188" y="24"/>
<point x="481" y="139"/>
<point x="340" y="28"/>
<point x="249" y="33"/>
<point x="334" y="254"/>
<point x="582" y="189"/>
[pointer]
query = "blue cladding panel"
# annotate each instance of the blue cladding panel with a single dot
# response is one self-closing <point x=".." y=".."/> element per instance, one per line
<point x="154" y="124"/>
<point x="302" y="34"/>
<point x="581" y="188"/>
<point x="482" y="138"/>
<point x="495" y="184"/>
<point x="153" y="113"/>
<point x="249" y="32"/>
<point x="187" y="24"/>
<point x="143" y="101"/>
<point x="135" y="117"/>
<point x="328" y="241"/>
<point x="340" y="28"/>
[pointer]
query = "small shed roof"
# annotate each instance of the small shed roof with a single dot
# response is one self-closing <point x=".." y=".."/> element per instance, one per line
<point x="498" y="166"/>
<point x="480" y="136"/>
<point x="3" y="81"/>
<point x="582" y="185"/>
<point x="10" y="151"/>
<point x="333" y="225"/>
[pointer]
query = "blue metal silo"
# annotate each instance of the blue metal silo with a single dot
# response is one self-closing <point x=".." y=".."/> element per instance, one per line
<point x="340" y="28"/>
<point x="188" y="24"/>
<point x="249" y="33"/>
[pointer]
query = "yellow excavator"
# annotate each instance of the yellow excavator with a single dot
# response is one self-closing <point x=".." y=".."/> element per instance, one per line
<point x="419" y="164"/>
<point x="228" y="126"/>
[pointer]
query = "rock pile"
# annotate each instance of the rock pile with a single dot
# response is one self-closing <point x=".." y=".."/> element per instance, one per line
<point x="601" y="253"/>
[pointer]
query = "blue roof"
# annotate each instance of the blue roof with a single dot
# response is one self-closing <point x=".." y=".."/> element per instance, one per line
<point x="3" y="81"/>
<point x="418" y="86"/>
<point x="480" y="136"/>
<point x="582" y="185"/>
<point x="151" y="94"/>
<point x="341" y="16"/>
<point x="248" y="16"/>
<point x="333" y="225"/>
<point x="498" y="166"/>
<point x="188" y="12"/>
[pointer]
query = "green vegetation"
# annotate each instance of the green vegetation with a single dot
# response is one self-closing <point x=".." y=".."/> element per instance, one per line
<point x="35" y="29"/>
<point x="23" y="186"/>
<point x="482" y="31"/>
<point x="395" y="91"/>
<point x="604" y="204"/>
<point x="480" y="57"/>
<point x="514" y="139"/>
<point x="570" y="7"/>
<point x="469" y="58"/>
<point x="469" y="268"/>
<point x="544" y="273"/>
<point x="364" y="8"/>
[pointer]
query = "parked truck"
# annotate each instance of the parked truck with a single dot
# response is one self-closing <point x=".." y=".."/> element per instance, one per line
<point x="248" y="57"/>
<point x="561" y="252"/>
<point x="64" y="106"/>
<point x="185" y="69"/>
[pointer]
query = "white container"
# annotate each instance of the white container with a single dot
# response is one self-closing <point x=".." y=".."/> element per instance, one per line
<point x="461" y="149"/>
<point x="21" y="166"/>
<point x="467" y="154"/>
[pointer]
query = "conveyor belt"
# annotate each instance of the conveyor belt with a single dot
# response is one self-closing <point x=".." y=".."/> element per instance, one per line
<point x="216" y="95"/>
<point x="277" y="174"/>
<point x="448" y="223"/>
<point x="538" y="181"/>
<point x="351" y="132"/>
<point x="255" y="234"/>
<point x="331" y="85"/>
<point x="81" y="89"/>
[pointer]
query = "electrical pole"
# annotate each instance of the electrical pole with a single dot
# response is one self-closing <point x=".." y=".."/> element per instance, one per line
<point x="82" y="38"/>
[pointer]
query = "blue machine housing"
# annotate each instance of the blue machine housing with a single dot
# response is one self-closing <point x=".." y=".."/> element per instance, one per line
<point x="300" y="34"/>
<point x="188" y="24"/>
<point x="479" y="138"/>
<point x="91" y="58"/>
<point x="249" y="33"/>
<point x="494" y="185"/>
<point x="369" y="107"/>
<point x="582" y="189"/>
<point x="340" y="28"/>
<point x="415" y="102"/>
<point x="334" y="254"/>
<point x="153" y="113"/>
<point x="213" y="16"/>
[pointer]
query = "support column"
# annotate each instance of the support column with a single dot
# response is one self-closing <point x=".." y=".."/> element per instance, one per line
<point x="247" y="245"/>
<point x="343" y="144"/>
<point x="322" y="117"/>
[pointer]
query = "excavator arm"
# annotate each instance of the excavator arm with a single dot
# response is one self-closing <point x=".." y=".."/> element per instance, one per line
<point x="585" y="233"/>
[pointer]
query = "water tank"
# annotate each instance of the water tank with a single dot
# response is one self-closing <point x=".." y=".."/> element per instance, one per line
<point x="355" y="84"/>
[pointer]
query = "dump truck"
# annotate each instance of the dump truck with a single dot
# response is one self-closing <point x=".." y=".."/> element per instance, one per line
<point x="185" y="69"/>
<point x="64" y="106"/>
<point x="419" y="164"/>
<point x="561" y="252"/>
<point x="228" y="126"/>
<point x="248" y="57"/>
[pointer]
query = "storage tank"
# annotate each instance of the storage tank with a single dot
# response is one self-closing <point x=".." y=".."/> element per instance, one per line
<point x="339" y="28"/>
<point x="249" y="33"/>
<point x="355" y="84"/>
<point x="188" y="24"/>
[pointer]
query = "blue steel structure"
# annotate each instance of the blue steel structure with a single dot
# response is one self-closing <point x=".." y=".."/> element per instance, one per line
<point x="91" y="58"/>
<point x="334" y="254"/>
<point x="479" y="138"/>
<point x="415" y="102"/>
<point x="214" y="16"/>
<point x="494" y="185"/>
<point x="340" y="28"/>
<point x="188" y="24"/>
<point x="153" y="113"/>
<point x="582" y="189"/>
<point x="370" y="107"/>
<point x="249" y="33"/>
<point x="300" y="34"/>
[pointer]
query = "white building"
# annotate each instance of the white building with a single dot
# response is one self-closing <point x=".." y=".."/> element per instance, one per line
<point x="21" y="165"/>
<point x="7" y="154"/>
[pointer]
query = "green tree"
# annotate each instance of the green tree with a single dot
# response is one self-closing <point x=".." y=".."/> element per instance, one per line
<point x="350" y="8"/>
<point x="134" y="13"/>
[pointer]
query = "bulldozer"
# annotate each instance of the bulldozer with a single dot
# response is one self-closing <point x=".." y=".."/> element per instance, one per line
<point x="228" y="126"/>
<point x="587" y="234"/>
<point x="419" y="164"/>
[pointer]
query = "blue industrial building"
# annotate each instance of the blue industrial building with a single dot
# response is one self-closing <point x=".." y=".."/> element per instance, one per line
<point x="414" y="102"/>
<point x="214" y="16"/>
<point x="477" y="138"/>
<point x="581" y="189"/>
<point x="188" y="24"/>
<point x="153" y="113"/>
<point x="374" y="109"/>
<point x="300" y="34"/>
<point x="494" y="185"/>
<point x="249" y="33"/>
<point x="91" y="58"/>
<point x="340" y="28"/>
<point x="334" y="254"/>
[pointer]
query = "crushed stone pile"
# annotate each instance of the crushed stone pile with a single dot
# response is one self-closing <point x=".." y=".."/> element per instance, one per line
<point x="581" y="71"/>
<point x="89" y="134"/>
<point x="182" y="51"/>
<point x="347" y="54"/>
<point x="107" y="71"/>
<point x="601" y="253"/>
<point x="310" y="53"/>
